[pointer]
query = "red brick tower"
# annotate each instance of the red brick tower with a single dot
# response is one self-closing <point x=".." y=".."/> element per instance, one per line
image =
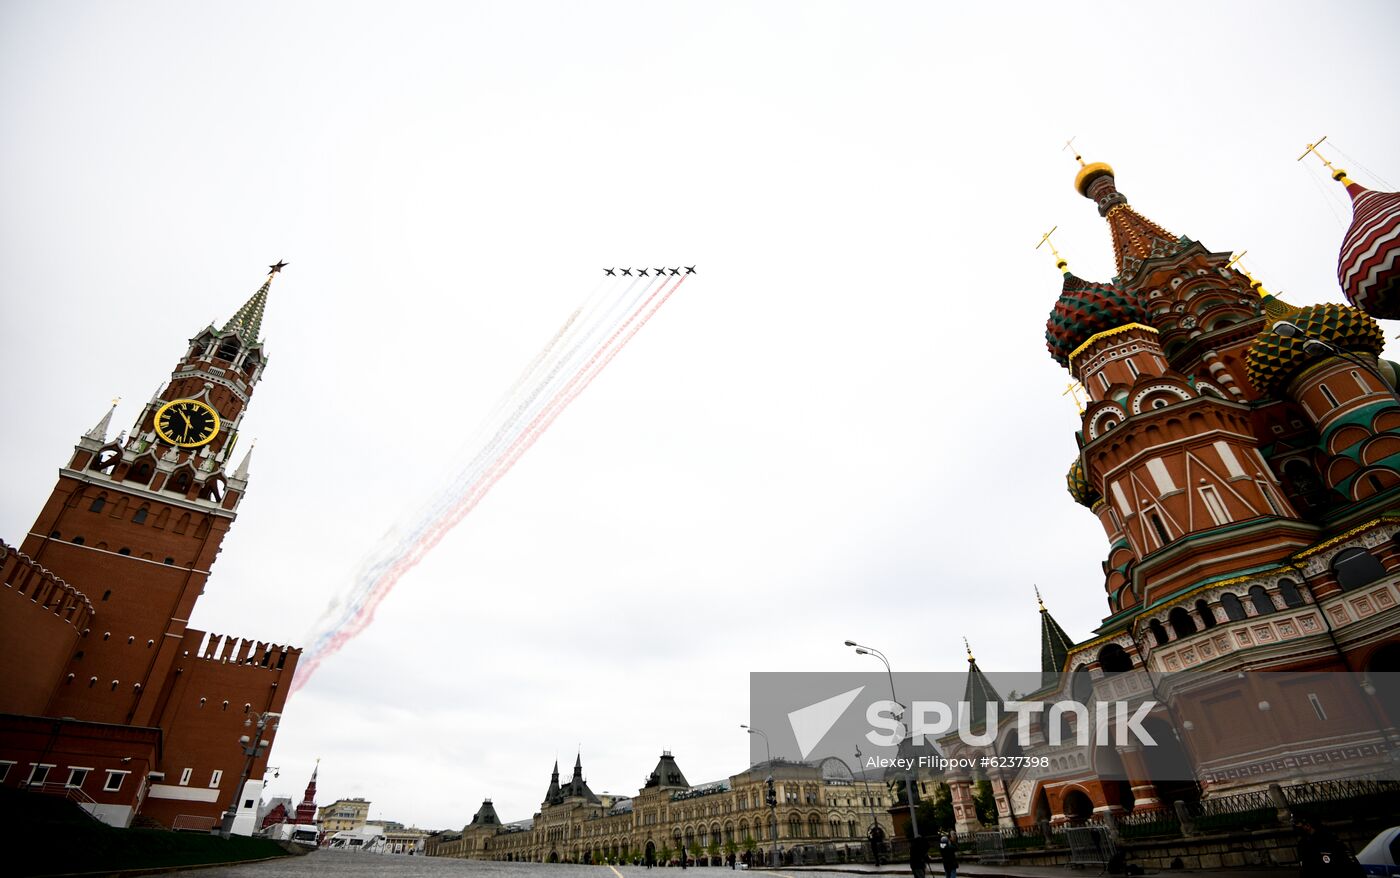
<point x="130" y="533"/>
<point x="306" y="811"/>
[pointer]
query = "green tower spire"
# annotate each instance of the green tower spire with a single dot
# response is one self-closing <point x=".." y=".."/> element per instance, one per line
<point x="247" y="321"/>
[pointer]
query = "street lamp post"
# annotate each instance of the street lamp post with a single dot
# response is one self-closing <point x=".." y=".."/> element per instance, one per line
<point x="253" y="747"/>
<point x="874" y="821"/>
<point x="771" y="795"/>
<point x="861" y="649"/>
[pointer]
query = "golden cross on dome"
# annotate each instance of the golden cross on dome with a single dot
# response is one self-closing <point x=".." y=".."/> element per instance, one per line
<point x="1256" y="285"/>
<point x="1069" y="145"/>
<point x="1072" y="390"/>
<point x="116" y="399"/>
<point x="1060" y="263"/>
<point x="1337" y="173"/>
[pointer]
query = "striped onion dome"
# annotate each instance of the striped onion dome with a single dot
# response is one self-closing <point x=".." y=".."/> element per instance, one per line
<point x="1369" y="264"/>
<point x="1079" y="487"/>
<point x="1273" y="359"/>
<point x="1085" y="309"/>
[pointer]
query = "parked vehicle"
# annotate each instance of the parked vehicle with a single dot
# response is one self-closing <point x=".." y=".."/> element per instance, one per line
<point x="1382" y="855"/>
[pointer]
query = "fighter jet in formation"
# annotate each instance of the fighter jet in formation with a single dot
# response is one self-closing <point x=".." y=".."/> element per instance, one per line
<point x="644" y="272"/>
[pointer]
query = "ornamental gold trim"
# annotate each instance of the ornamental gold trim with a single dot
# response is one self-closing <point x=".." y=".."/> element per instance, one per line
<point x="1105" y="334"/>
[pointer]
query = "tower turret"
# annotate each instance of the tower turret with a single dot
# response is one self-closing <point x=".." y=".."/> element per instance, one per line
<point x="551" y="795"/>
<point x="1055" y="645"/>
<point x="1169" y="455"/>
<point x="306" y="811"/>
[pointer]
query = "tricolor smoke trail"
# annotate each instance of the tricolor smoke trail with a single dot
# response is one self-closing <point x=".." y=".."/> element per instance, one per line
<point x="582" y="347"/>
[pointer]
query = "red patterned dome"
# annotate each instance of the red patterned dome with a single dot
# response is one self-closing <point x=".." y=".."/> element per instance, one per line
<point x="1369" y="265"/>
<point x="1085" y="309"/>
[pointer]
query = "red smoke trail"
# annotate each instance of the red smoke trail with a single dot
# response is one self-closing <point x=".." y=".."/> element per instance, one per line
<point x="517" y="449"/>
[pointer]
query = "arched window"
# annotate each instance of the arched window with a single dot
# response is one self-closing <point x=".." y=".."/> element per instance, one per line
<point x="1159" y="632"/>
<point x="1356" y="567"/>
<point x="140" y="516"/>
<point x="1234" y="610"/>
<point x="1288" y="590"/>
<point x="140" y="474"/>
<point x="1263" y="604"/>
<point x="78" y="541"/>
<point x="1181" y="622"/>
<point x="1207" y="615"/>
<point x="180" y="483"/>
<point x="229" y="349"/>
<point x="98" y="503"/>
<point x="1160" y="528"/>
<point x="1114" y="659"/>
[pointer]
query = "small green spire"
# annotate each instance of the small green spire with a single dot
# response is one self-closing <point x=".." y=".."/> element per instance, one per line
<point x="979" y="691"/>
<point x="247" y="321"/>
<point x="1054" y="645"/>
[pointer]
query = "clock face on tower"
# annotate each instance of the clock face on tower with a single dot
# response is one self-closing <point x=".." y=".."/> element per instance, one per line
<point x="187" y="423"/>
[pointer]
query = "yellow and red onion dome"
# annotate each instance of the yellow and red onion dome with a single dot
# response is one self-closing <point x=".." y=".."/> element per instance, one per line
<point x="1273" y="358"/>
<point x="1079" y="487"/>
<point x="1085" y="309"/>
<point x="1368" y="267"/>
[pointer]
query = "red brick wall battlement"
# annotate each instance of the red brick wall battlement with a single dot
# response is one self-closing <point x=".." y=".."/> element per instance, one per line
<point x="24" y="577"/>
<point x="41" y="622"/>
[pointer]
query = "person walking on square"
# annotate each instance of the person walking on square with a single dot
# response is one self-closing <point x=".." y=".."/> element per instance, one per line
<point x="1322" y="854"/>
<point x="949" y="852"/>
<point x="918" y="856"/>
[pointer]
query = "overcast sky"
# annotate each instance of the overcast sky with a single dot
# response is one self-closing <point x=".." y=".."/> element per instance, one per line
<point x="845" y="426"/>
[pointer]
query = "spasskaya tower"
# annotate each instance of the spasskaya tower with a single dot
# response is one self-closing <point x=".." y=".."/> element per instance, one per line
<point x="98" y="597"/>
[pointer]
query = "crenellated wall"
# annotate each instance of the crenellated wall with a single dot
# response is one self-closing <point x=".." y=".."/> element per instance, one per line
<point x="42" y="619"/>
<point x="219" y="687"/>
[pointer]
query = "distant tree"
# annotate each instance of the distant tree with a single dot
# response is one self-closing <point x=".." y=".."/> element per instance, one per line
<point x="695" y="850"/>
<point x="664" y="855"/>
<point x="730" y="848"/>
<point x="749" y="844"/>
<point x="985" y="803"/>
<point x="943" y="807"/>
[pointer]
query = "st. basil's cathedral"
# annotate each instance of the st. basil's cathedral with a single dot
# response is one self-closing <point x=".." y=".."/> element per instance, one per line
<point x="1242" y="455"/>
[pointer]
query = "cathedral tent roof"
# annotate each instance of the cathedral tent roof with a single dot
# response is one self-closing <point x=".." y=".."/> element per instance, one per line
<point x="978" y="693"/>
<point x="1055" y="645"/>
<point x="1136" y="238"/>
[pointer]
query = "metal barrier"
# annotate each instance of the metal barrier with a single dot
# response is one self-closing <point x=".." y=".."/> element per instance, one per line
<point x="71" y="793"/>
<point x="1090" y="846"/>
<point x="193" y="823"/>
<point x="991" y="847"/>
